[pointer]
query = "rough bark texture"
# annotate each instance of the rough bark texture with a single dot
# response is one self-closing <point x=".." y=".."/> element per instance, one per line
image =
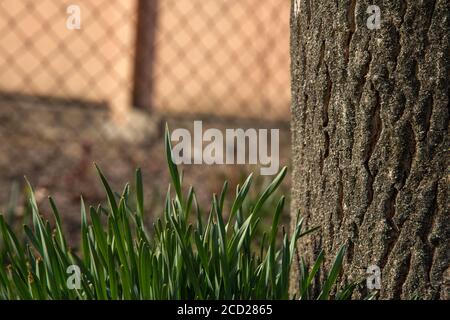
<point x="370" y="119"/>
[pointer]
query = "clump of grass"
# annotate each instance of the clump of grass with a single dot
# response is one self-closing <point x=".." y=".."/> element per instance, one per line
<point x="184" y="257"/>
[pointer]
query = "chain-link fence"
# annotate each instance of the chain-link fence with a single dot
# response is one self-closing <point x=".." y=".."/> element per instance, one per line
<point x="221" y="57"/>
<point x="225" y="57"/>
<point x="69" y="96"/>
<point x="41" y="56"/>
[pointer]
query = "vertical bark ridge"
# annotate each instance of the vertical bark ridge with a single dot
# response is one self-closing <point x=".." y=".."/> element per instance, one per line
<point x="370" y="118"/>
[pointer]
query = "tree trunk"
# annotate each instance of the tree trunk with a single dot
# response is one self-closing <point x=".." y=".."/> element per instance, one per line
<point x="370" y="116"/>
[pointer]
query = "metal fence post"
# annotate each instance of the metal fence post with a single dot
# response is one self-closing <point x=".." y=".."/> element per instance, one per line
<point x="144" y="55"/>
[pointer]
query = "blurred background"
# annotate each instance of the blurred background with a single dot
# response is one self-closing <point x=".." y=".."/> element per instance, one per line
<point x="104" y="92"/>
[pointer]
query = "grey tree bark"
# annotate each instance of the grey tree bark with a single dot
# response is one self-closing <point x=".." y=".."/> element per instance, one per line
<point x="370" y="120"/>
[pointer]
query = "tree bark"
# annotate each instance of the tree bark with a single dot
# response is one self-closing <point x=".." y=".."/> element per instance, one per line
<point x="370" y="116"/>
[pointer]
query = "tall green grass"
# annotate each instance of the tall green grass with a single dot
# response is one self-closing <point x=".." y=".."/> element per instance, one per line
<point x="184" y="256"/>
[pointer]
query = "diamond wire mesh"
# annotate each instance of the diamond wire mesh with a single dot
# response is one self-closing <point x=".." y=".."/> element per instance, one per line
<point x="59" y="87"/>
<point x="228" y="57"/>
<point x="221" y="57"/>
